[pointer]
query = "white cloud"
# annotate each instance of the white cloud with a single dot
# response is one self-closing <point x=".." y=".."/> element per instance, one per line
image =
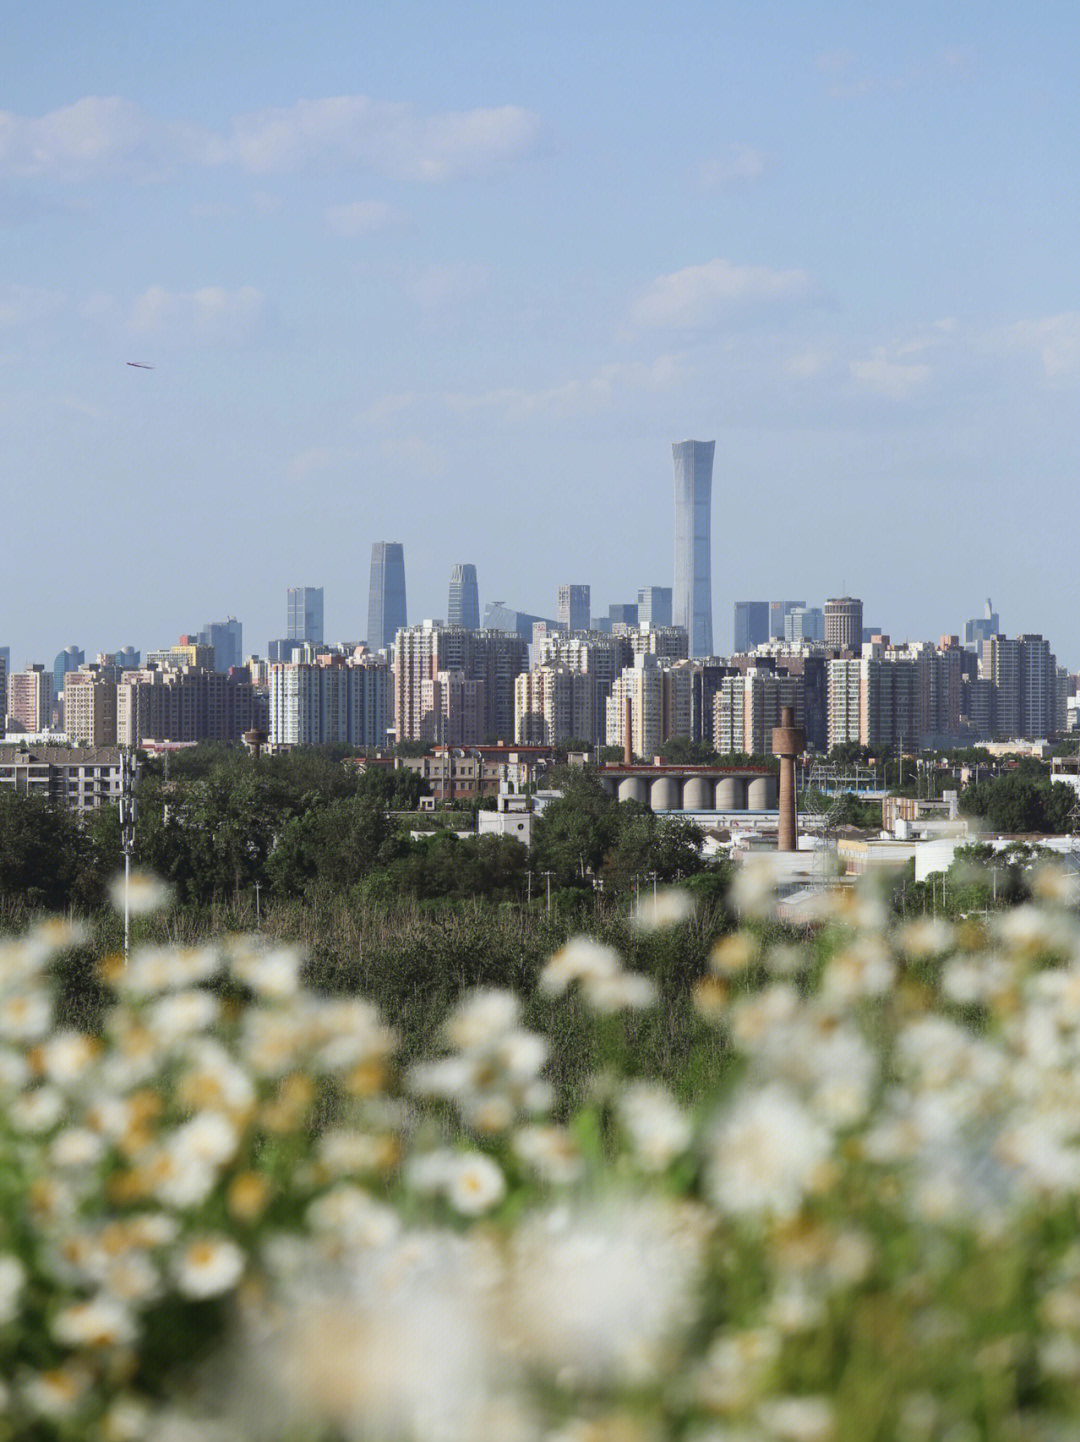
<point x="1056" y="339"/>
<point x="414" y="453"/>
<point x="579" y="394"/>
<point x="209" y="316"/>
<point x="894" y="380"/>
<point x="362" y="217"/>
<point x="108" y="136"/>
<point x="381" y="410"/>
<point x="25" y="304"/>
<point x="437" y="287"/>
<point x="735" y="165"/>
<point x="701" y="296"/>
<point x="97" y="136"/>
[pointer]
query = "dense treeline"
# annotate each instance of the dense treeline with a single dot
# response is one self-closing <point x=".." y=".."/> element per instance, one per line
<point x="1024" y="800"/>
<point x="305" y="825"/>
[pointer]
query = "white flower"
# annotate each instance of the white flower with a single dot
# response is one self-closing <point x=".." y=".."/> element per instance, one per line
<point x="551" y="1152"/>
<point x="343" y="1152"/>
<point x="143" y="893"/>
<point x="271" y="972"/>
<point x="658" y="1128"/>
<point x="925" y="936"/>
<point x="132" y="1277"/>
<point x="863" y="969"/>
<point x="766" y="1154"/>
<point x="183" y="1013"/>
<point x="399" y="1341"/>
<point x="59" y="1392"/>
<point x="76" y="1148"/>
<point x="37" y="1110"/>
<point x="603" y="1293"/>
<point x="156" y="969"/>
<point x="66" y="1057"/>
<point x="753" y="887"/>
<point x="208" y="1137"/>
<point x="58" y="933"/>
<point x="670" y="906"/>
<point x="12" y="1281"/>
<point x="208" y="1266"/>
<point x="476" y="1185"/>
<point x="625" y="991"/>
<point x="430" y="1172"/>
<point x="580" y="959"/>
<point x="181" y="1180"/>
<point x="735" y="1370"/>
<point x="354" y="1216"/>
<point x="798" y="1419"/>
<point x="100" y="1322"/>
<point x="482" y="1017"/>
<point x="26" y="1016"/>
<point x="127" y="1420"/>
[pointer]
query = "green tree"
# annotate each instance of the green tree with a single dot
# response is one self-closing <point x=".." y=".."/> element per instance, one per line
<point x="39" y="844"/>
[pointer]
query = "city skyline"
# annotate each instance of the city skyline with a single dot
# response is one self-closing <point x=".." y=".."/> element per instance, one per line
<point x="461" y="278"/>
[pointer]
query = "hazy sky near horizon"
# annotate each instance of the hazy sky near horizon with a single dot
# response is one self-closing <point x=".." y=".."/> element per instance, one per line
<point x="458" y="275"/>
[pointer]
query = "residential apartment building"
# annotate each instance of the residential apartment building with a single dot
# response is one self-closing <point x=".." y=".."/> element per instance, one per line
<point x="339" y="698"/>
<point x="554" y="703"/>
<point x="667" y="643"/>
<point x="495" y="658"/>
<point x="90" y="705"/>
<point x="30" y="698"/>
<point x="82" y="778"/>
<point x="186" y="704"/>
<point x="660" y="699"/>
<point x="747" y="707"/>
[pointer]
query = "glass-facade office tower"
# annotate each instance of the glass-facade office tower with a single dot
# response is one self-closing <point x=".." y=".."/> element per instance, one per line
<point x="386" y="594"/>
<point x="463" y="608"/>
<point x="654" y="606"/>
<point x="691" y="601"/>
<point x="751" y="625"/>
<point x="305" y="620"/>
<point x="227" y="639"/>
<point x="573" y="607"/>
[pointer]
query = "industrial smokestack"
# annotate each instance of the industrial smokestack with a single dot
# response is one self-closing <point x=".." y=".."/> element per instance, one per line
<point x="788" y="742"/>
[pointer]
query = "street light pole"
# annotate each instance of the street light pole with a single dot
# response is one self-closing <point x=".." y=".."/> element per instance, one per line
<point x="129" y="771"/>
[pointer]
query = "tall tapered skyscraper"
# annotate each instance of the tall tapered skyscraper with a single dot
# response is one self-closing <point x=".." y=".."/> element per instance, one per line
<point x="464" y="605"/>
<point x="691" y="602"/>
<point x="386" y="594"/>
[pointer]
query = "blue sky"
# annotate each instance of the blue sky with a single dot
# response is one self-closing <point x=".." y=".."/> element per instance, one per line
<point x="458" y="275"/>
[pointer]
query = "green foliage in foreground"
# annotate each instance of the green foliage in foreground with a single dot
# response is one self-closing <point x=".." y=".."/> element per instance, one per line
<point x="243" y="1208"/>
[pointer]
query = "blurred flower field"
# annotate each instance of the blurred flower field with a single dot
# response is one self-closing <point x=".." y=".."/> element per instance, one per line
<point x="231" y="1211"/>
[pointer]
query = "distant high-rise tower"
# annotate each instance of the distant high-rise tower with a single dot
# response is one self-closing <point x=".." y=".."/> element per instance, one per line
<point x="386" y="594"/>
<point x="843" y="623"/>
<point x="227" y="639"/>
<point x="574" y="603"/>
<point x="654" y="606"/>
<point x="751" y="625"/>
<point x="691" y="604"/>
<point x="464" y="605"/>
<point x="305" y="622"/>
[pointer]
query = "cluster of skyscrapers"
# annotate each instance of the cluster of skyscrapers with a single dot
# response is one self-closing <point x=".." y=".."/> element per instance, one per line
<point x="641" y="674"/>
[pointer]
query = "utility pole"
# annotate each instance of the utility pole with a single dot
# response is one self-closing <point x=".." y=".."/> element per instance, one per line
<point x="528" y="894"/>
<point x="547" y="875"/>
<point x="129" y="772"/>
